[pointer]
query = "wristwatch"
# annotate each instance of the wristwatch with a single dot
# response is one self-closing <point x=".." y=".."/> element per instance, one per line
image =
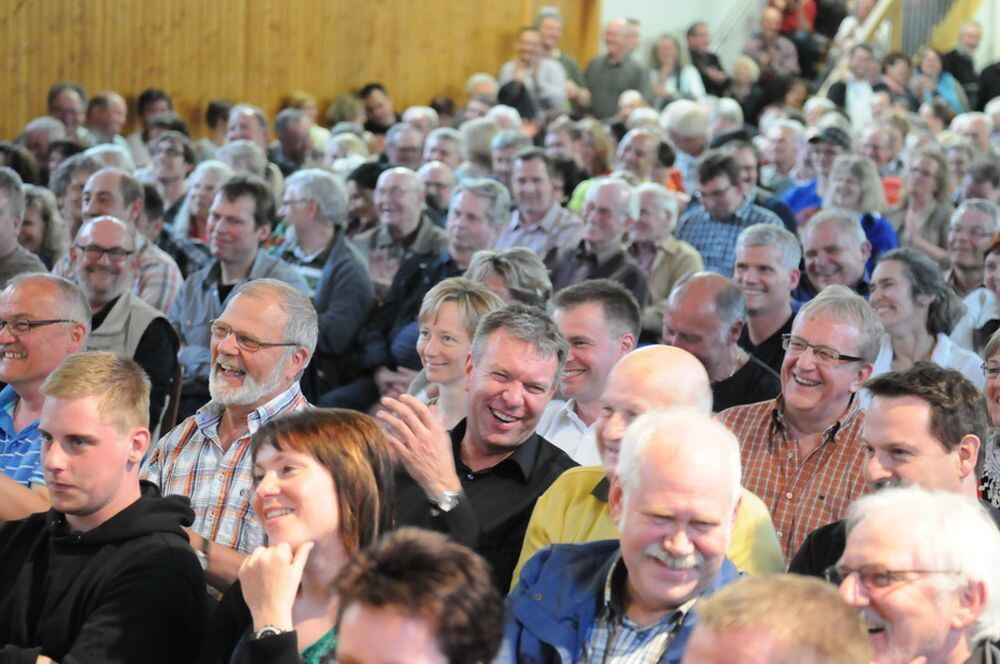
<point x="266" y="631"/>
<point x="448" y="500"/>
<point x="202" y="554"/>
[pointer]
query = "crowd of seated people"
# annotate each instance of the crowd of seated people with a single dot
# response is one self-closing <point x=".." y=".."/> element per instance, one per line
<point x="571" y="372"/>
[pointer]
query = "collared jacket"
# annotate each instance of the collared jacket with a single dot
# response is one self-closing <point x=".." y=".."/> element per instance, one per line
<point x="560" y="597"/>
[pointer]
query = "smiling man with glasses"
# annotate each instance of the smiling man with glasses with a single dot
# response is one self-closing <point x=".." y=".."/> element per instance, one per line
<point x="260" y="345"/>
<point x="970" y="234"/>
<point x="802" y="451"/>
<point x="926" y="426"/>
<point x="43" y="319"/>
<point x="721" y="211"/>
<point x="920" y="567"/>
<point x="104" y="264"/>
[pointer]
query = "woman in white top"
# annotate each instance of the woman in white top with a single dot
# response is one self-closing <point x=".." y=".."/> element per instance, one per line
<point x="671" y="77"/>
<point x="917" y="309"/>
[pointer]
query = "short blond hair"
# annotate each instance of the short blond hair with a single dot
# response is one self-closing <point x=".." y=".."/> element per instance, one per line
<point x="786" y="607"/>
<point x="121" y="385"/>
<point x="474" y="301"/>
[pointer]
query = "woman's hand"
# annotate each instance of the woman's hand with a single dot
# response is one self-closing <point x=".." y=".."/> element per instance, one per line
<point x="270" y="579"/>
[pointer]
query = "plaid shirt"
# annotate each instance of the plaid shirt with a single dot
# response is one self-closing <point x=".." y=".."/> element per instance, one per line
<point x="802" y="493"/>
<point x="191" y="461"/>
<point x="157" y="281"/>
<point x="715" y="240"/>
<point x="20" y="451"/>
<point x="558" y="231"/>
<point x="615" y="638"/>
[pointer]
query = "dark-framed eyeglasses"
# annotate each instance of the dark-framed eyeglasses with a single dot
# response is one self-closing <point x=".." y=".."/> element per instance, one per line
<point x="20" y="327"/>
<point x="991" y="371"/>
<point x="250" y="344"/>
<point x="797" y="345"/>
<point x="114" y="254"/>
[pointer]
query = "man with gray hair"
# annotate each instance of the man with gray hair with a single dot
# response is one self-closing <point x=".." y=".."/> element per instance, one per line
<point x="14" y="259"/>
<point x="404" y="146"/>
<point x="104" y="264"/>
<point x="480" y="482"/>
<point x="663" y="258"/>
<point x="67" y="185"/>
<point x="920" y="566"/>
<point x="445" y="144"/>
<point x="836" y="251"/>
<point x="685" y="124"/>
<point x="239" y="222"/>
<point x="36" y="137"/>
<point x="439" y="184"/>
<point x="539" y="222"/>
<point x="674" y="499"/>
<point x="248" y="122"/>
<point x="260" y="345"/>
<point x="404" y="229"/>
<point x="978" y="129"/>
<point x="971" y="231"/>
<point x="802" y="451"/>
<point x="705" y="316"/>
<point x="609" y="209"/>
<point x="424" y="118"/>
<point x="767" y="270"/>
<point x="315" y="207"/>
<point x="293" y="149"/>
<point x="960" y="62"/>
<point x="106" y="115"/>
<point x="45" y="319"/>
<point x="388" y="356"/>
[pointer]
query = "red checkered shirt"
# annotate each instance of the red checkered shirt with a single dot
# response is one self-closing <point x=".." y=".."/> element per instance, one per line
<point x="802" y="493"/>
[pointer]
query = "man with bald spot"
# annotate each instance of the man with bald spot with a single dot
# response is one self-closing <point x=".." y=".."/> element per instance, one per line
<point x="575" y="508"/>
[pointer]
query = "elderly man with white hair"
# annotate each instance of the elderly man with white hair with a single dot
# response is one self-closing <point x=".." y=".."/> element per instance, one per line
<point x="921" y="566"/>
<point x="686" y="126"/>
<point x="674" y="499"/>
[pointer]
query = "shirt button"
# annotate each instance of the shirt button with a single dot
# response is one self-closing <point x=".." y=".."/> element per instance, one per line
<point x="778" y="533"/>
<point x="470" y="477"/>
<point x="789" y="456"/>
<point x="788" y="495"/>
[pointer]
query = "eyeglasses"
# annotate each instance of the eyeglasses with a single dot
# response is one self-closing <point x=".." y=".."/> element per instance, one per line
<point x="20" y="327"/>
<point x="873" y="577"/>
<point x="251" y="345"/>
<point x="824" y="354"/>
<point x="975" y="232"/>
<point x="991" y="371"/>
<point x="114" y="254"/>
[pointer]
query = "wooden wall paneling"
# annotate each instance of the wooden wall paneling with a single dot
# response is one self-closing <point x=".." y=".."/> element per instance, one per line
<point x="260" y="50"/>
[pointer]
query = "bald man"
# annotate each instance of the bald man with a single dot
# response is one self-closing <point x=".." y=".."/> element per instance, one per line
<point x="705" y="315"/>
<point x="575" y="508"/>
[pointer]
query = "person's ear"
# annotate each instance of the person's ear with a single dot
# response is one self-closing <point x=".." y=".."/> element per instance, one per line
<point x="967" y="453"/>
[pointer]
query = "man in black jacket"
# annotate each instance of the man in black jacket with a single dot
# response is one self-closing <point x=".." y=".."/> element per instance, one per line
<point x="106" y="575"/>
<point x="926" y="426"/>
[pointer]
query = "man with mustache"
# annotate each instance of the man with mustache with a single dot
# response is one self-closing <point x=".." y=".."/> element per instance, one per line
<point x="575" y="508"/>
<point x="674" y="499"/>
<point x="260" y="345"/>
<point x="926" y="426"/>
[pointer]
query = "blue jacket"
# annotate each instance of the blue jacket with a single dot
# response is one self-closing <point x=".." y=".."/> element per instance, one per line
<point x="559" y="598"/>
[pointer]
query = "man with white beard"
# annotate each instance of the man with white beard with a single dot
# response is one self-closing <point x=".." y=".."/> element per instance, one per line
<point x="253" y="378"/>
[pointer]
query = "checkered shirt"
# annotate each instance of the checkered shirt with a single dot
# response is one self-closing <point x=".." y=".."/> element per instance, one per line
<point x="615" y="638"/>
<point x="802" y="493"/>
<point x="190" y="461"/>
<point x="715" y="240"/>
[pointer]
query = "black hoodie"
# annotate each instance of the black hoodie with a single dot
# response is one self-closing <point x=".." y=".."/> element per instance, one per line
<point x="130" y="590"/>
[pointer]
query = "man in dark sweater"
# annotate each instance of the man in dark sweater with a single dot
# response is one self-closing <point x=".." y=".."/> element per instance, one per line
<point x="705" y="316"/>
<point x="106" y="575"/>
<point x="926" y="426"/>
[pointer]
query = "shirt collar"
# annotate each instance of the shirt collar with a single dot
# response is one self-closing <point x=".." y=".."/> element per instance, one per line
<point x="614" y="597"/>
<point x="545" y="225"/>
<point x="830" y="433"/>
<point x="523" y="458"/>
<point x="209" y="415"/>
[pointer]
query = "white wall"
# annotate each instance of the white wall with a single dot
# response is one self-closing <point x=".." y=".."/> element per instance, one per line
<point x="674" y="17"/>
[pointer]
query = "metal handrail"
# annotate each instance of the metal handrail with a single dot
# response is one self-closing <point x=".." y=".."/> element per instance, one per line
<point x="868" y="28"/>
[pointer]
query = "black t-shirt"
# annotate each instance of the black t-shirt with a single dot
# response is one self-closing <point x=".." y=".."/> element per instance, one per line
<point x="769" y="351"/>
<point x="754" y="382"/>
